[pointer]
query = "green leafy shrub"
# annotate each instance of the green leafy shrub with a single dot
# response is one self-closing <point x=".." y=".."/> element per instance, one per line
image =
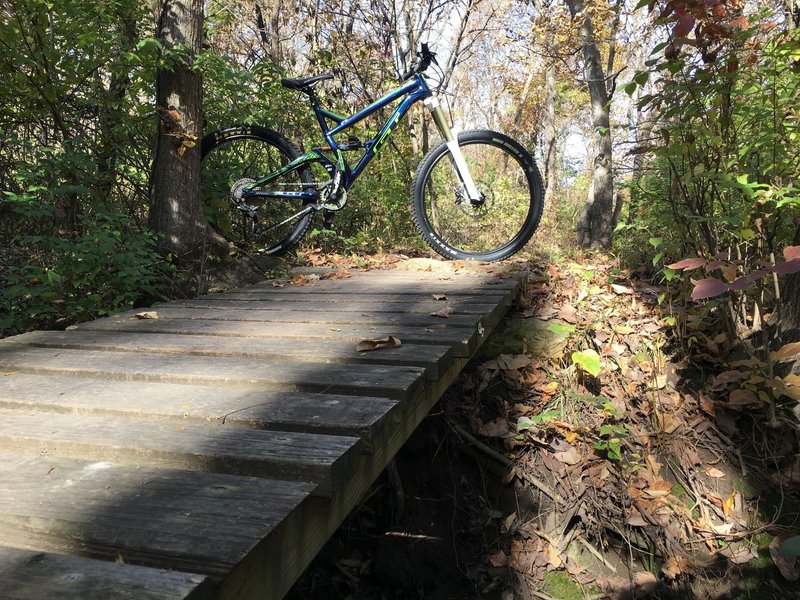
<point x="73" y="278"/>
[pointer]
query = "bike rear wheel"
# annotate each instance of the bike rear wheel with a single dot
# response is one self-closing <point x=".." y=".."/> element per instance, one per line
<point x="234" y="158"/>
<point x="497" y="226"/>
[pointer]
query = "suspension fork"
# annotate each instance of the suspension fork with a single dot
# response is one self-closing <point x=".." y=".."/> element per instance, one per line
<point x="450" y="136"/>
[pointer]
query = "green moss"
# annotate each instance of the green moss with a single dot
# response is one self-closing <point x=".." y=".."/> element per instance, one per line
<point x="559" y="584"/>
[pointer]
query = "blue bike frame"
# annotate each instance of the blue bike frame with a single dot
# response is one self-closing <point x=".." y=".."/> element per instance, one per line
<point x="414" y="90"/>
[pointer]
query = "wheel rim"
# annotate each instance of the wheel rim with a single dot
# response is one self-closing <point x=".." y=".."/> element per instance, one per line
<point x="260" y="227"/>
<point x="498" y="219"/>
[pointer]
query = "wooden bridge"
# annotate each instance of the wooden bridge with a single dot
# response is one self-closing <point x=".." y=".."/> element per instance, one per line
<point x="209" y="448"/>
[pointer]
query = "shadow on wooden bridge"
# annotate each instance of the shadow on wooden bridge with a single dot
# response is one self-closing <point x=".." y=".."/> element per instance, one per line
<point x="209" y="448"/>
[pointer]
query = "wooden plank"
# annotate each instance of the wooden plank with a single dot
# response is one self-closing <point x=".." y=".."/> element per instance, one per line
<point x="332" y="318"/>
<point x="463" y="341"/>
<point x="272" y="299"/>
<point x="407" y="282"/>
<point x="373" y="380"/>
<point x="26" y="575"/>
<point x="324" y="460"/>
<point x="188" y="521"/>
<point x="434" y="359"/>
<point x="407" y="313"/>
<point x="362" y="416"/>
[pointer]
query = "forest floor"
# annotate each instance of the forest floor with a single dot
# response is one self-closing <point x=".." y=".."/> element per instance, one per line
<point x="608" y="442"/>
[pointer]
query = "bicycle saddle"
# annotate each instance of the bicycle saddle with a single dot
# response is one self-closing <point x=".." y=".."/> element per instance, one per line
<point x="304" y="83"/>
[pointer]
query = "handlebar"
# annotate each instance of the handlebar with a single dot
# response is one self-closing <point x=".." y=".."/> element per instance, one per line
<point x="424" y="59"/>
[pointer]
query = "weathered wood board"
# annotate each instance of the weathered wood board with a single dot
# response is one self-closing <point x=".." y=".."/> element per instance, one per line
<point x="26" y="575"/>
<point x="214" y="445"/>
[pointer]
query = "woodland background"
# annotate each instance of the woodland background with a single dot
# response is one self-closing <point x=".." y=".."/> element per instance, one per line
<point x="666" y="266"/>
<point x="676" y="119"/>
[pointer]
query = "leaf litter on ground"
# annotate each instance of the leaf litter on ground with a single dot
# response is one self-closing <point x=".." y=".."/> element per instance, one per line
<point x="619" y="453"/>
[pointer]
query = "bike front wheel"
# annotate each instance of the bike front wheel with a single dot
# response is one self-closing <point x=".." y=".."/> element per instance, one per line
<point x="234" y="158"/>
<point x="497" y="225"/>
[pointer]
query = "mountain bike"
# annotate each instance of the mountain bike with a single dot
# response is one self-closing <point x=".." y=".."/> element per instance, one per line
<point x="477" y="195"/>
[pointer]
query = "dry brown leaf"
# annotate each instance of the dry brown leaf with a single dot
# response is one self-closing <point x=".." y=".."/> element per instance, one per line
<point x="707" y="404"/>
<point x="443" y="313"/>
<point x="739" y="553"/>
<point x="496" y="428"/>
<point x="674" y="566"/>
<point x="568" y="457"/>
<point x="277" y="284"/>
<point x="342" y="273"/>
<point x="658" y="489"/>
<point x="741" y="398"/>
<point x="568" y="314"/>
<point x="621" y="289"/>
<point x="498" y="559"/>
<point x="635" y="519"/>
<point x="552" y="463"/>
<point x="787" y="352"/>
<point x="713" y="472"/>
<point x="148" y="314"/>
<point x="370" y="345"/>
<point x="548" y="389"/>
<point x="440" y="297"/>
<point x="512" y="362"/>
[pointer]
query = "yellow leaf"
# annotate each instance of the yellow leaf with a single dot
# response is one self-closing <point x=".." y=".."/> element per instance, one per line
<point x="148" y="314"/>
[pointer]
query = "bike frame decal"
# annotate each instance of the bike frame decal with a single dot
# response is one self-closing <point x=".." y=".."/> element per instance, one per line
<point x="413" y="91"/>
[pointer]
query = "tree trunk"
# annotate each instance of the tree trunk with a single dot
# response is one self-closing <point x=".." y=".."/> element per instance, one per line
<point x="792" y="14"/>
<point x="176" y="212"/>
<point x="549" y="136"/>
<point x="595" y="225"/>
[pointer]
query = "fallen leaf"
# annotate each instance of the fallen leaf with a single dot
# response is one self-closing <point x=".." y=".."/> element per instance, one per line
<point x="740" y="398"/>
<point x="568" y="314"/>
<point x="440" y="297"/>
<point x="148" y="314"/>
<point x="713" y="472"/>
<point x="548" y="389"/>
<point x="635" y="519"/>
<point x="277" y="284"/>
<point x="370" y="345"/>
<point x="568" y="457"/>
<point x="621" y="289"/>
<point x="739" y="553"/>
<point x="658" y="489"/>
<point x="512" y="362"/>
<point x="443" y="313"/>
<point x="674" y="566"/>
<point x="498" y="559"/>
<point x="787" y="352"/>
<point x="786" y="562"/>
<point x="496" y="428"/>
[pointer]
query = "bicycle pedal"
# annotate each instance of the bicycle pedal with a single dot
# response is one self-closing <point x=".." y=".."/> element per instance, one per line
<point x="327" y="222"/>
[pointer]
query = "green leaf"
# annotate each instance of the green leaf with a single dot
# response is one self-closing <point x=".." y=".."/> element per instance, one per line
<point x="559" y="328"/>
<point x="588" y="360"/>
<point x="655" y="242"/>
